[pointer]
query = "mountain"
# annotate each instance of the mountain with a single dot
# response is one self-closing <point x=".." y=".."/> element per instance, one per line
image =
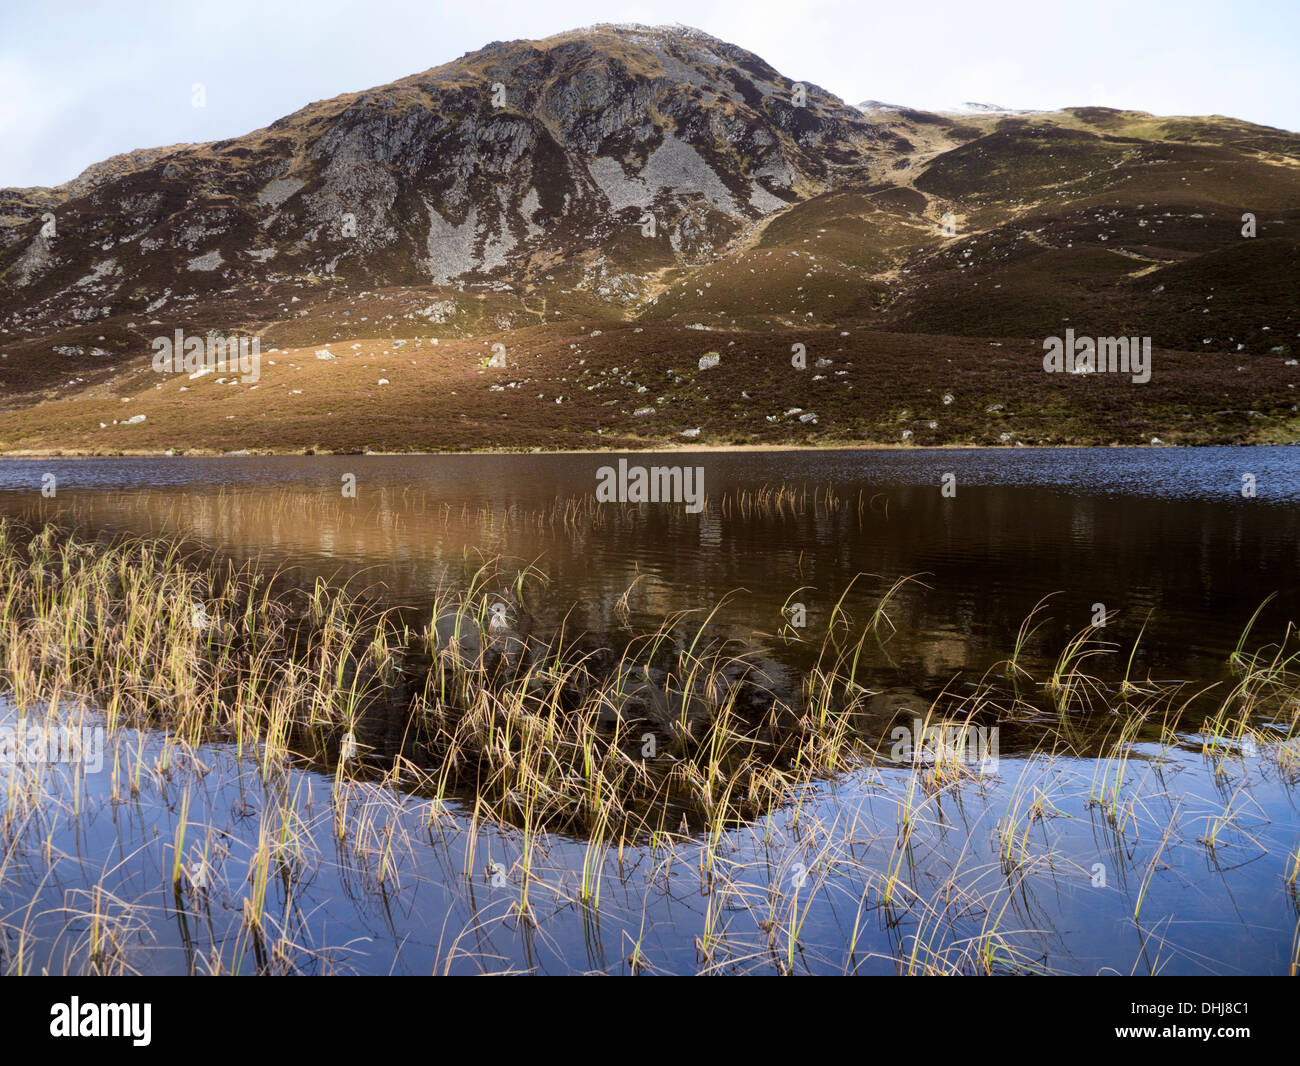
<point x="613" y="203"/>
<point x="497" y="166"/>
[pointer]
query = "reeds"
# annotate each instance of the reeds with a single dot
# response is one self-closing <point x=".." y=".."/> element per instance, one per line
<point x="671" y="742"/>
<point x="556" y="730"/>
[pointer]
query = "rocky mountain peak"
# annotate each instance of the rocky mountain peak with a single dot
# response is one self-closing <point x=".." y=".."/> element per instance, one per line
<point x="606" y="151"/>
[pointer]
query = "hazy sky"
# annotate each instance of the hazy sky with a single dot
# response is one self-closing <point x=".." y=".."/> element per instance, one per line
<point x="82" y="81"/>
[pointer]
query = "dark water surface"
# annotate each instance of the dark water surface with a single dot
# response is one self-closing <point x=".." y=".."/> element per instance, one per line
<point x="1164" y="533"/>
<point x="1158" y="536"/>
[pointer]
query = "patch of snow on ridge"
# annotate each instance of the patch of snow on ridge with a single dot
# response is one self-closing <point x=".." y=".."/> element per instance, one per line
<point x="972" y="108"/>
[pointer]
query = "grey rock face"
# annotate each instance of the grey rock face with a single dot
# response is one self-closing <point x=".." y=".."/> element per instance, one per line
<point x="474" y="172"/>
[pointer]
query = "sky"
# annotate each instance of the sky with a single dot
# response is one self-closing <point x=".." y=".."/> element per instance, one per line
<point x="81" y="81"/>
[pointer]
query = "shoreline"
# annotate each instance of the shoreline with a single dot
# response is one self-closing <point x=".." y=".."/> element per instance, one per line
<point x="663" y="449"/>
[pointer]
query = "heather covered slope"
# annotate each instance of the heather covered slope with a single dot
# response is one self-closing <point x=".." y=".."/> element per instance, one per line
<point x="610" y="205"/>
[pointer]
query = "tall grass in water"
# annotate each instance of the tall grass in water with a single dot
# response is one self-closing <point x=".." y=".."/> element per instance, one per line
<point x="677" y="731"/>
<point x="677" y="727"/>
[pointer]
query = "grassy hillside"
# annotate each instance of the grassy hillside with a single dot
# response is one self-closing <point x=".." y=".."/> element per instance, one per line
<point x="913" y="256"/>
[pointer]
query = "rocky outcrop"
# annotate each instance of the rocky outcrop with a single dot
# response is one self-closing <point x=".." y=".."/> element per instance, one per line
<point x="598" y="150"/>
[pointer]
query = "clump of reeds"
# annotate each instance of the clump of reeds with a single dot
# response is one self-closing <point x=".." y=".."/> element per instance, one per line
<point x="676" y="728"/>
